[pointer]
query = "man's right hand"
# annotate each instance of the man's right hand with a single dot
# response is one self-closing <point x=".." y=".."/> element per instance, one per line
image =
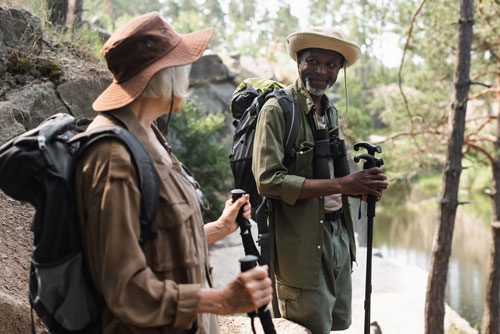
<point x="367" y="181"/>
<point x="249" y="291"/>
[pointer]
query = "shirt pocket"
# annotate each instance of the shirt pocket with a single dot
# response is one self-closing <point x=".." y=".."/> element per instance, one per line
<point x="304" y="159"/>
<point x="175" y="245"/>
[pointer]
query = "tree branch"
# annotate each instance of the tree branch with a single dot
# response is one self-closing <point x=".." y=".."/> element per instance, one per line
<point x="405" y="48"/>
<point x="480" y="74"/>
<point x="486" y="122"/>
<point x="480" y="84"/>
<point x="481" y="150"/>
<point x="482" y="93"/>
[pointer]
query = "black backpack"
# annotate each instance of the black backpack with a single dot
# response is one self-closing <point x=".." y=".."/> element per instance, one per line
<point x="38" y="167"/>
<point x="246" y="103"/>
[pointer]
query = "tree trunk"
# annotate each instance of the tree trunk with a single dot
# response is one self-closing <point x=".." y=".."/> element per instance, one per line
<point x="441" y="249"/>
<point x="491" y="318"/>
<point x="109" y="9"/>
<point x="58" y="11"/>
<point x="78" y="13"/>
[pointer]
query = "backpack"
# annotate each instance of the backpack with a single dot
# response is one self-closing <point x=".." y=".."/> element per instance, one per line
<point x="38" y="167"/>
<point x="246" y="103"/>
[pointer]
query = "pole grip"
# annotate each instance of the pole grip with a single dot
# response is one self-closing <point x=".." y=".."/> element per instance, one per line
<point x="242" y="222"/>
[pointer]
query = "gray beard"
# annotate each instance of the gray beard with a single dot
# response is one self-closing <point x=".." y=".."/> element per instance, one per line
<point x="315" y="91"/>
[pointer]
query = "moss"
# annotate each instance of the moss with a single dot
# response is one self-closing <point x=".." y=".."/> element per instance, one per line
<point x="20" y="63"/>
<point x="50" y="70"/>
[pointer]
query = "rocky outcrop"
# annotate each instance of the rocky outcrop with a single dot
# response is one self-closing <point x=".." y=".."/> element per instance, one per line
<point x="41" y="75"/>
<point x="21" y="30"/>
<point x="9" y="126"/>
<point x="77" y="95"/>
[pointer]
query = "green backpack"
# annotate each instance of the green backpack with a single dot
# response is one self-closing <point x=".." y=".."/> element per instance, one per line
<point x="246" y="103"/>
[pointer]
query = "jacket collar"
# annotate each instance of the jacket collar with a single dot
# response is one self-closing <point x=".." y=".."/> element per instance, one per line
<point x="125" y="118"/>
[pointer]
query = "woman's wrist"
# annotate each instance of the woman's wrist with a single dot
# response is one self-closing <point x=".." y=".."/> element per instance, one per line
<point x="211" y="301"/>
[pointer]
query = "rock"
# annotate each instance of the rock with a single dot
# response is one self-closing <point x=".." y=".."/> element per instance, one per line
<point x="35" y="103"/>
<point x="15" y="315"/>
<point x="2" y="53"/>
<point x="375" y="328"/>
<point x="215" y="96"/>
<point x="9" y="126"/>
<point x="209" y="69"/>
<point x="256" y="68"/>
<point x="21" y="30"/>
<point x="242" y="325"/>
<point x="79" y="94"/>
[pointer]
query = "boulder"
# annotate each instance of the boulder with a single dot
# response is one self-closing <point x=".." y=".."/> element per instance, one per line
<point x="15" y="317"/>
<point x="79" y="94"/>
<point x="208" y="69"/>
<point x="21" y="30"/>
<point x="2" y="53"/>
<point x="9" y="126"/>
<point x="256" y="68"/>
<point x="35" y="103"/>
<point x="214" y="97"/>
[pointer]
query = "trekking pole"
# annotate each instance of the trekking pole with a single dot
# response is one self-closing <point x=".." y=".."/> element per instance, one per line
<point x="370" y="162"/>
<point x="245" y="226"/>
<point x="248" y="262"/>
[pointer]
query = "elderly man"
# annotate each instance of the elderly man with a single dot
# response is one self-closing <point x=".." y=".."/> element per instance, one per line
<point x="312" y="235"/>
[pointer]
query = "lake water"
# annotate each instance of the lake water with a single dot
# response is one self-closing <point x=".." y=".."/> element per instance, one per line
<point x="404" y="232"/>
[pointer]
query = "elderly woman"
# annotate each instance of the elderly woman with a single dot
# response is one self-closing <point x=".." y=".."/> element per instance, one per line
<point x="164" y="286"/>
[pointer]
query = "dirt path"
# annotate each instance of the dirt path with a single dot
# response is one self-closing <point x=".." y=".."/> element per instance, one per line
<point x="397" y="300"/>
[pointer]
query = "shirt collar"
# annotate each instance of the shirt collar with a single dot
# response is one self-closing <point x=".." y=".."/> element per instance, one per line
<point x="130" y="122"/>
<point x="304" y="99"/>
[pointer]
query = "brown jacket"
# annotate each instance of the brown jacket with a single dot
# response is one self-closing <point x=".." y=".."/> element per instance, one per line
<point x="154" y="289"/>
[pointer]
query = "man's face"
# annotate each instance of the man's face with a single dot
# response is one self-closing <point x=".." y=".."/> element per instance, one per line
<point x="318" y="69"/>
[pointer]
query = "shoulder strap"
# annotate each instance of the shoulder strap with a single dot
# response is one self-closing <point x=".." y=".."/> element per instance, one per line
<point x="292" y="122"/>
<point x="146" y="173"/>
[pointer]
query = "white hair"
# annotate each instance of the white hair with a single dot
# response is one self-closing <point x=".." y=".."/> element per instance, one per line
<point x="164" y="81"/>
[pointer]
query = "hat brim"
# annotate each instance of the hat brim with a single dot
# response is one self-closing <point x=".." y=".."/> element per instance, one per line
<point x="306" y="40"/>
<point x="189" y="50"/>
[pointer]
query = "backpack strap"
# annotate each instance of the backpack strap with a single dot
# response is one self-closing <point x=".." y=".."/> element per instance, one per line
<point x="292" y="122"/>
<point x="292" y="125"/>
<point x="146" y="173"/>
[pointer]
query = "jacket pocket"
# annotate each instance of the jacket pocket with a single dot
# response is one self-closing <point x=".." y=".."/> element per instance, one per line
<point x="174" y="247"/>
<point x="304" y="160"/>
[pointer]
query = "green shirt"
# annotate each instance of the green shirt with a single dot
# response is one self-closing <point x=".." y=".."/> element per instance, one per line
<point x="295" y="225"/>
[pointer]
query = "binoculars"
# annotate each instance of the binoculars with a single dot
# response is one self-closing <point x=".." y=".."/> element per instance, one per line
<point x="329" y="145"/>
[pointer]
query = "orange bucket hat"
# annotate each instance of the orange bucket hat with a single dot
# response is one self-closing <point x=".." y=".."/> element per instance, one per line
<point x="139" y="49"/>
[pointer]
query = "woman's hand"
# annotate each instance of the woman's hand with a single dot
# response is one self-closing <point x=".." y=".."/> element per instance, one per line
<point x="226" y="224"/>
<point x="228" y="217"/>
<point x="249" y="291"/>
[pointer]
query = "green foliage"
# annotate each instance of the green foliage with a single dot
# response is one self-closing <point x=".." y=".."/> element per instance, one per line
<point x="193" y="135"/>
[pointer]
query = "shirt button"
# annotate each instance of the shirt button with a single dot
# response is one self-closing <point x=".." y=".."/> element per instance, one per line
<point x="319" y="247"/>
<point x="301" y="153"/>
<point x="321" y="221"/>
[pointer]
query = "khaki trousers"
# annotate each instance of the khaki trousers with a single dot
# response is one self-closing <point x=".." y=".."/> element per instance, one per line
<point x="327" y="308"/>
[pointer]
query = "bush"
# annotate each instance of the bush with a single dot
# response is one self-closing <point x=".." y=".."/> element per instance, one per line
<point x="192" y="136"/>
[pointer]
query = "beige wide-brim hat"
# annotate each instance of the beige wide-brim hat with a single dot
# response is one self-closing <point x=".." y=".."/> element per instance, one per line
<point x="141" y="48"/>
<point x="322" y="38"/>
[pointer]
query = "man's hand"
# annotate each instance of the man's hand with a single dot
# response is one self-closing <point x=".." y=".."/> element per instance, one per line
<point x="249" y="291"/>
<point x="367" y="181"/>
